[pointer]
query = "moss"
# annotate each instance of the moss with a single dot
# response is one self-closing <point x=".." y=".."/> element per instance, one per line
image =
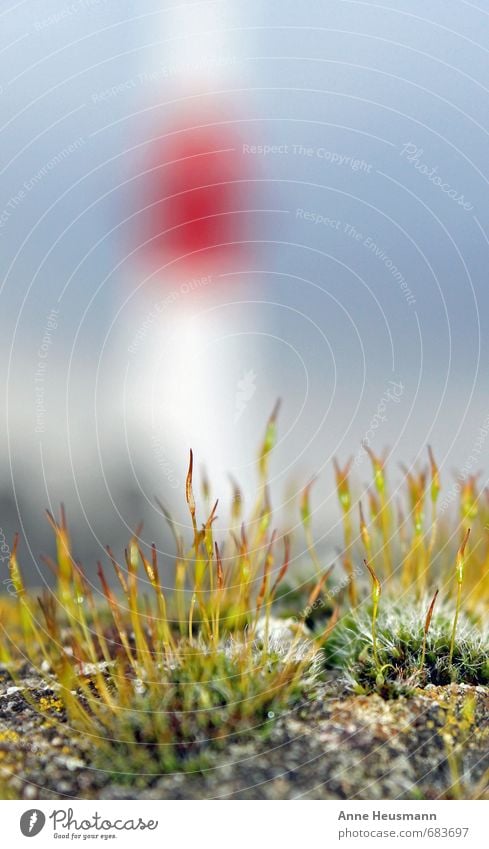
<point x="201" y="703"/>
<point x="398" y="669"/>
<point x="159" y="679"/>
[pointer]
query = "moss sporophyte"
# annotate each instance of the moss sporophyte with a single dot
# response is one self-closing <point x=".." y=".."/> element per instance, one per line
<point x="158" y="675"/>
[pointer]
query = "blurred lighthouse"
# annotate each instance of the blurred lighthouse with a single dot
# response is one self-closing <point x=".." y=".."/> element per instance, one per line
<point x="189" y="379"/>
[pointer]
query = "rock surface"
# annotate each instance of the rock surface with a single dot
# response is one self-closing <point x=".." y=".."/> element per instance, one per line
<point x="334" y="746"/>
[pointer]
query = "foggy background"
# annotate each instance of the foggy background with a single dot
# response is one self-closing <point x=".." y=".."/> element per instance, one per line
<point x="358" y="295"/>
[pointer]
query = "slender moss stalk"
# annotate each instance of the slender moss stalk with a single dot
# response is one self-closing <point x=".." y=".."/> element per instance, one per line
<point x="460" y="577"/>
<point x="427" y="624"/>
<point x="376" y="591"/>
<point x="384" y="513"/>
<point x="344" y="496"/>
<point x="435" y="492"/>
<point x="264" y="453"/>
<point x="305" y="508"/>
<point x="365" y="536"/>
